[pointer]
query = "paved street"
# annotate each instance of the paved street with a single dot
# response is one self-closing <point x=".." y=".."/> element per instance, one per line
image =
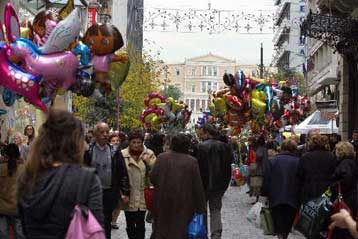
<point x="236" y="204"/>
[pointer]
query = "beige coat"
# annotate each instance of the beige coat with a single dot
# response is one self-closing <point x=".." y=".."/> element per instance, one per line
<point x="137" y="178"/>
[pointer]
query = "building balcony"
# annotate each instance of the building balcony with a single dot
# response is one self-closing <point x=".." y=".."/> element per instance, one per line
<point x="281" y="35"/>
<point x="323" y="77"/>
<point x="279" y="52"/>
<point x="282" y="12"/>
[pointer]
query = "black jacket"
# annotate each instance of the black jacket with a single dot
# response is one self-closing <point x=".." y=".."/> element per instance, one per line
<point x="46" y="213"/>
<point x="347" y="174"/>
<point x="214" y="158"/>
<point x="315" y="173"/>
<point x="120" y="179"/>
<point x="280" y="182"/>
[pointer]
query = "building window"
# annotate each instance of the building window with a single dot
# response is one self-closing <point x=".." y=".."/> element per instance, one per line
<point x="187" y="101"/>
<point x="204" y="71"/>
<point x="302" y="8"/>
<point x="193" y="71"/>
<point x="215" y="71"/>
<point x="215" y="86"/>
<point x="210" y="71"/>
<point x="192" y="104"/>
<point x="226" y="71"/>
<point x="177" y="72"/>
<point x="203" y="106"/>
<point x="203" y="86"/>
<point x="197" y="105"/>
<point x="209" y="86"/>
<point x="192" y="88"/>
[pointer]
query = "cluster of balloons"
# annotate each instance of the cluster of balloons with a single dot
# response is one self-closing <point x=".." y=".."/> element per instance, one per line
<point x="256" y="103"/>
<point x="52" y="60"/>
<point x="162" y="110"/>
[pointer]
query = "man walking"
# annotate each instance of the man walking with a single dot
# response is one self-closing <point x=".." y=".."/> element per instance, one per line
<point x="354" y="140"/>
<point x="111" y="169"/>
<point x="214" y="158"/>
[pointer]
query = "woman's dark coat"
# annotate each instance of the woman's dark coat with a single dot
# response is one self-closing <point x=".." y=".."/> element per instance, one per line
<point x="315" y="173"/>
<point x="280" y="183"/>
<point x="179" y="194"/>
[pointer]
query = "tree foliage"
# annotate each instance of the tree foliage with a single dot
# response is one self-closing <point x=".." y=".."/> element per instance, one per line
<point x="140" y="81"/>
<point x="290" y="75"/>
<point x="172" y="91"/>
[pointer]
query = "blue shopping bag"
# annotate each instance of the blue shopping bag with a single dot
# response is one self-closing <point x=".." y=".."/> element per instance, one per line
<point x="196" y="228"/>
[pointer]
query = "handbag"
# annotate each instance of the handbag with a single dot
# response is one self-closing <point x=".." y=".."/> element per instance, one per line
<point x="337" y="206"/>
<point x="266" y="221"/>
<point x="253" y="215"/>
<point x="196" y="228"/>
<point x="149" y="198"/>
<point x="313" y="217"/>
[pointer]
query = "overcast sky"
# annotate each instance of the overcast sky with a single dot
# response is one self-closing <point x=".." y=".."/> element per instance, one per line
<point x="175" y="47"/>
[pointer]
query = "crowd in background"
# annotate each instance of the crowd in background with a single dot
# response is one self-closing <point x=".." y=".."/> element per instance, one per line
<point x="188" y="173"/>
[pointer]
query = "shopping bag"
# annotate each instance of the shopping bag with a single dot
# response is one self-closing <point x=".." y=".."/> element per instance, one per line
<point x="149" y="198"/>
<point x="196" y="228"/>
<point x="266" y="221"/>
<point x="253" y="215"/>
<point x="313" y="217"/>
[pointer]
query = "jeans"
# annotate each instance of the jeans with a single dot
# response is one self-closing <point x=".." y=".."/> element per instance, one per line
<point x="109" y="203"/>
<point x="6" y="222"/>
<point x="135" y="224"/>
<point x="215" y="205"/>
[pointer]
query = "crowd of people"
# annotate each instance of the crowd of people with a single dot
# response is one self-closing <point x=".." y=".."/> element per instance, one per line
<point x="189" y="173"/>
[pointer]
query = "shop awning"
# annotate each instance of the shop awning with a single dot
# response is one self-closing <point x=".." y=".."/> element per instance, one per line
<point x="319" y="122"/>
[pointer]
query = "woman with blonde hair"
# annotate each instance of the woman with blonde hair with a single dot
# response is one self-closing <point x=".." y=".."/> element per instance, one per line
<point x="346" y="174"/>
<point x="315" y="168"/>
<point x="47" y="191"/>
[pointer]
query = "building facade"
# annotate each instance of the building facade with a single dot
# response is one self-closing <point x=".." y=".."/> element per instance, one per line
<point x="289" y="48"/>
<point x="322" y="66"/>
<point x="199" y="76"/>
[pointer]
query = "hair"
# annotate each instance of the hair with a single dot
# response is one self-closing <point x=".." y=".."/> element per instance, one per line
<point x="289" y="145"/>
<point x="19" y="135"/>
<point x="156" y="143"/>
<point x="42" y="16"/>
<point x="106" y="30"/>
<point x="355" y="131"/>
<point x="113" y="135"/>
<point x="318" y="142"/>
<point x="13" y="154"/>
<point x="210" y="129"/>
<point x="180" y="143"/>
<point x="60" y="139"/>
<point x="136" y="134"/>
<point x="33" y="130"/>
<point x="260" y="141"/>
<point x="345" y="150"/>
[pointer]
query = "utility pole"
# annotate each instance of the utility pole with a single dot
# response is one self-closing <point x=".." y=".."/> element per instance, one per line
<point x="262" y="61"/>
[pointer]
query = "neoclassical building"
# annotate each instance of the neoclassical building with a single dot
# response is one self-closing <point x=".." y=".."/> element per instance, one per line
<point x="197" y="77"/>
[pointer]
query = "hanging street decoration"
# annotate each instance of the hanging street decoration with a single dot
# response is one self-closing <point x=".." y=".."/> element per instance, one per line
<point x="211" y="20"/>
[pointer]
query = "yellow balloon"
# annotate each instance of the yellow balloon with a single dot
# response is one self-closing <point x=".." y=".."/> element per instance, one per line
<point x="258" y="106"/>
<point x="259" y="80"/>
<point x="220" y="105"/>
<point x="25" y="32"/>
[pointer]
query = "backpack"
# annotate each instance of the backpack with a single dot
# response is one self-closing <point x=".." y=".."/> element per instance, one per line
<point x="83" y="223"/>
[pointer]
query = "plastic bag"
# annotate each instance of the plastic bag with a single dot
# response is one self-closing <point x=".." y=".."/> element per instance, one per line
<point x="253" y="215"/>
<point x="196" y="228"/>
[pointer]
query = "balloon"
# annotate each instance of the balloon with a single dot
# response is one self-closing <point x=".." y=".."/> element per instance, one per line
<point x="118" y="72"/>
<point x="8" y="97"/>
<point x="2" y="111"/>
<point x="151" y="118"/>
<point x="50" y="25"/>
<point x="65" y="32"/>
<point x="86" y="84"/>
<point x="229" y="79"/>
<point x="260" y="81"/>
<point x="153" y="100"/>
<point x="259" y="95"/>
<point x="233" y="102"/>
<point x="18" y="81"/>
<point x="239" y="81"/>
<point x="67" y="9"/>
<point x="12" y="24"/>
<point x="58" y="70"/>
<point x="220" y="105"/>
<point x="269" y="94"/>
<point x="258" y="107"/>
<point x="84" y="52"/>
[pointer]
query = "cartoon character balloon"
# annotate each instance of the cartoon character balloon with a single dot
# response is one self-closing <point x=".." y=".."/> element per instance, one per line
<point x="43" y="24"/>
<point x="104" y="40"/>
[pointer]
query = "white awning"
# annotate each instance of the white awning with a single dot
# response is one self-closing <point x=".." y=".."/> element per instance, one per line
<point x="315" y="121"/>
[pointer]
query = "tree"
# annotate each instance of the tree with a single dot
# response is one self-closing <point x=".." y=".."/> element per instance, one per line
<point x="172" y="91"/>
<point x="289" y="75"/>
<point x="139" y="83"/>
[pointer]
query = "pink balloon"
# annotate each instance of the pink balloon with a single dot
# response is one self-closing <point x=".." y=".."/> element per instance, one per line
<point x="18" y="81"/>
<point x="11" y="23"/>
<point x="58" y="69"/>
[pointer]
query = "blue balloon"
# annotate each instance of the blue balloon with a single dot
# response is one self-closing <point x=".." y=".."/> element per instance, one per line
<point x="84" y="52"/>
<point x="8" y="97"/>
<point x="2" y="112"/>
<point x="269" y="94"/>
